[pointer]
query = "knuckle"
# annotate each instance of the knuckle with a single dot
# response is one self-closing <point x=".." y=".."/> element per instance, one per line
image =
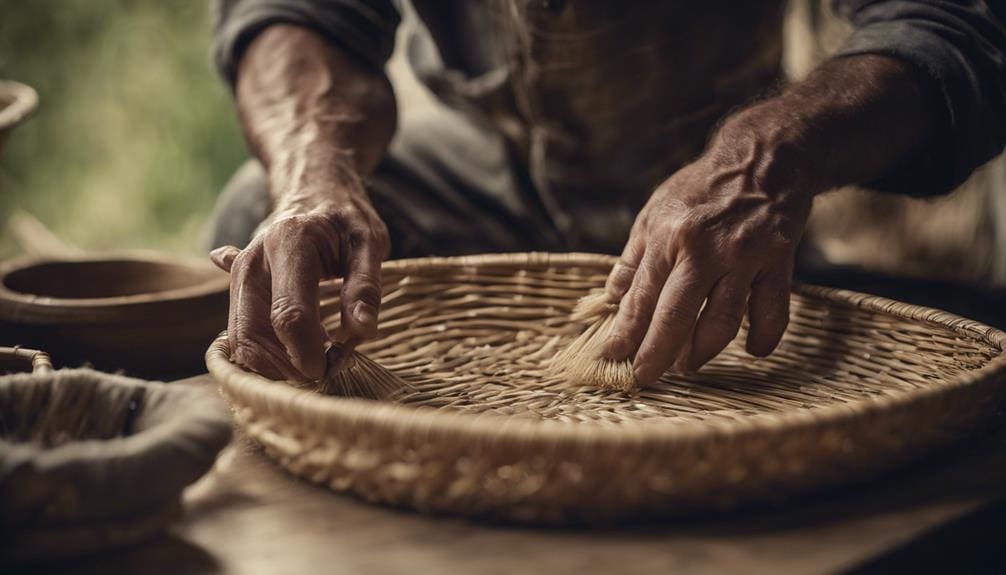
<point x="286" y="315"/>
<point x="625" y="266"/>
<point x="247" y="355"/>
<point x="289" y="225"/>
<point x="672" y="317"/>
<point x="690" y="231"/>
<point x="361" y="234"/>
<point x="246" y="257"/>
<point x="734" y="249"/>
<point x="288" y="230"/>
<point x="633" y="307"/>
<point x="368" y="290"/>
<point x="653" y="269"/>
<point x="381" y="234"/>
<point x="348" y="214"/>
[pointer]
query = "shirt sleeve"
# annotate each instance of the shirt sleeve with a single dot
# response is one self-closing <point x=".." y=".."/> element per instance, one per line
<point x="366" y="28"/>
<point x="959" y="50"/>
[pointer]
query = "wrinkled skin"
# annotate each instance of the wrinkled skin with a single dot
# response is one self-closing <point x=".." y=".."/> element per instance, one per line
<point x="711" y="234"/>
<point x="715" y="241"/>
<point x="718" y="238"/>
<point x="274" y="326"/>
<point x="319" y="122"/>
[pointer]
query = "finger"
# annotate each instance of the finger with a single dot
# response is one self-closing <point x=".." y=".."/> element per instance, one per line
<point x="768" y="310"/>
<point x="294" y="312"/>
<point x="224" y="257"/>
<point x="673" y="319"/>
<point x="719" y="320"/>
<point x="620" y="278"/>
<point x="253" y="343"/>
<point x="636" y="308"/>
<point x="361" y="288"/>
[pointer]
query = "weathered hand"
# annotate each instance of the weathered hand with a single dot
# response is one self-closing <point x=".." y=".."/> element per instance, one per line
<point x="722" y="232"/>
<point x="274" y="326"/>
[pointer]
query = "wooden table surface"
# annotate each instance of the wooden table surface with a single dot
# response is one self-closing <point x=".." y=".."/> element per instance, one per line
<point x="248" y="516"/>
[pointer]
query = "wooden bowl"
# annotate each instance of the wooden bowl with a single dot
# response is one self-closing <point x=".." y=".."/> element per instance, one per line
<point x="17" y="102"/>
<point x="149" y="314"/>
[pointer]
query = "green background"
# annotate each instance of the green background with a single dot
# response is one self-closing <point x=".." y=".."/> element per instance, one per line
<point x="135" y="133"/>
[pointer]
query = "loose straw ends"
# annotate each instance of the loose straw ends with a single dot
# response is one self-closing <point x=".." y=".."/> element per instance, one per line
<point x="581" y="362"/>
<point x="356" y="375"/>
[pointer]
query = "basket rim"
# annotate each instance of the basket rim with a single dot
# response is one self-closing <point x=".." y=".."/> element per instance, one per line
<point x="330" y="412"/>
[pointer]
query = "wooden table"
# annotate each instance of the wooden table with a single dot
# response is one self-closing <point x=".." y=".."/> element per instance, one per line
<point x="248" y="516"/>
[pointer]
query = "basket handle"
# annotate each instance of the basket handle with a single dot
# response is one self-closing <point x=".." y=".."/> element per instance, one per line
<point x="40" y="360"/>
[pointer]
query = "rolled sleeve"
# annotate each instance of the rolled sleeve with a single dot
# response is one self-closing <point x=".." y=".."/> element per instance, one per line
<point x="366" y="28"/>
<point x="959" y="50"/>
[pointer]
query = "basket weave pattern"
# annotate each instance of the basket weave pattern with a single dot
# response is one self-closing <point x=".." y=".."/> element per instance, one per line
<point x="859" y="384"/>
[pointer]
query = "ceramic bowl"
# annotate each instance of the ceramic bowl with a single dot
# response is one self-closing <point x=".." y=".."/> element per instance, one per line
<point x="149" y="314"/>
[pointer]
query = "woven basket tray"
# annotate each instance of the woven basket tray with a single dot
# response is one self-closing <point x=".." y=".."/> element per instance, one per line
<point x="858" y="385"/>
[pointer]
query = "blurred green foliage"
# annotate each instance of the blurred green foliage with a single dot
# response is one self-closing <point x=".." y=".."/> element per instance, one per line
<point x="135" y="134"/>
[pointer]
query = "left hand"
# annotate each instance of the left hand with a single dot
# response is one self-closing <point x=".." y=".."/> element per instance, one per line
<point x="723" y="232"/>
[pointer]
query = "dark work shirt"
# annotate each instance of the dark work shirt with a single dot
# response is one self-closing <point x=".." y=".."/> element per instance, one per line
<point x="725" y="53"/>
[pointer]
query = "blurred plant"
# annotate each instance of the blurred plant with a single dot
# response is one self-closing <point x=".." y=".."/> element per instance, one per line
<point x="135" y="134"/>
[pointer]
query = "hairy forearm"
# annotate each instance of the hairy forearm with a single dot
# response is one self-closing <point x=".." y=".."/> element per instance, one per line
<point x="852" y="121"/>
<point x="311" y="113"/>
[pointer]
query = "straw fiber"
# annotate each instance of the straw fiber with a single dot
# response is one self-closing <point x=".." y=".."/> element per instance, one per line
<point x="482" y="426"/>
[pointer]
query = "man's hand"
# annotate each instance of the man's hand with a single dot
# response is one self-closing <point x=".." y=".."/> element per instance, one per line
<point x="716" y="233"/>
<point x="319" y="121"/>
<point x="719" y="237"/>
<point x="274" y="327"/>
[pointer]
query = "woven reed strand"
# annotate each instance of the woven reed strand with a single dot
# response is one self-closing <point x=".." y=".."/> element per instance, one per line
<point x="481" y="340"/>
<point x="857" y="385"/>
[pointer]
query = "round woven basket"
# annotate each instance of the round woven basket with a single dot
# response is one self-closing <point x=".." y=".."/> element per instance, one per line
<point x="858" y="385"/>
<point x="91" y="461"/>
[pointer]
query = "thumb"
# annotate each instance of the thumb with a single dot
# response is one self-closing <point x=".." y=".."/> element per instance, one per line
<point x="224" y="257"/>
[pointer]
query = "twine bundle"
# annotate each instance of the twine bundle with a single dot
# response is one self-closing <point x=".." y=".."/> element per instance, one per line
<point x="485" y="426"/>
<point x="356" y="375"/>
<point x="581" y="362"/>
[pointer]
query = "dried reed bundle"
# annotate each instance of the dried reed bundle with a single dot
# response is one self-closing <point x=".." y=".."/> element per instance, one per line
<point x="356" y="375"/>
<point x="581" y="362"/>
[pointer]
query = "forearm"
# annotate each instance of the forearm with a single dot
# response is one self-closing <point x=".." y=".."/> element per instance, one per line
<point x="852" y="121"/>
<point x="311" y="113"/>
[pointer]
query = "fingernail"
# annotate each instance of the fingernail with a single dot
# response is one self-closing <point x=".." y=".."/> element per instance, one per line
<point x="364" y="313"/>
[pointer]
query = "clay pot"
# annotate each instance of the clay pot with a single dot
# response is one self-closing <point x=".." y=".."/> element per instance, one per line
<point x="17" y="102"/>
<point x="148" y="314"/>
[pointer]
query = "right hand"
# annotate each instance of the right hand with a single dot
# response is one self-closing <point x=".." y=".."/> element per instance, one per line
<point x="274" y="326"/>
